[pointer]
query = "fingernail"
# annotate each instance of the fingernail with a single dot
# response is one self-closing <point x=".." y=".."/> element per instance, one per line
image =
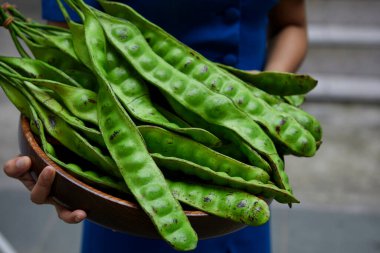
<point x="78" y="218"/>
<point x="21" y="163"/>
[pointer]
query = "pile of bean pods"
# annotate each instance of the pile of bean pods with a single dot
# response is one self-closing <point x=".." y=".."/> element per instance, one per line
<point x="155" y="119"/>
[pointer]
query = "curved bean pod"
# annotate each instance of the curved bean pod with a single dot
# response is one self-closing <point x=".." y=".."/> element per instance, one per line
<point x="51" y="51"/>
<point x="69" y="138"/>
<point x="217" y="110"/>
<point x="276" y="163"/>
<point x="275" y="83"/>
<point x="227" y="203"/>
<point x="168" y="144"/>
<point x="53" y="105"/>
<point x="127" y="147"/>
<point x="80" y="102"/>
<point x="307" y="120"/>
<point x="134" y="95"/>
<point x="38" y="69"/>
<point x="285" y="129"/>
<point x="221" y="178"/>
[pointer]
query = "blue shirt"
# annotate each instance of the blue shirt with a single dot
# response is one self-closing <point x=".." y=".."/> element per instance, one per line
<point x="232" y="32"/>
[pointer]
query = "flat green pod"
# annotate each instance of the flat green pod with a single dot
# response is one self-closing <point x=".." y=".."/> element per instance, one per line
<point x="275" y="83"/>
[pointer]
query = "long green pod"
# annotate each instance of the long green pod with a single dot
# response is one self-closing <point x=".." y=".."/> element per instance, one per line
<point x="169" y="144"/>
<point x="154" y="34"/>
<point x="15" y="96"/>
<point x="87" y="175"/>
<point x="38" y="69"/>
<point x="276" y="163"/>
<point x="275" y="83"/>
<point x="307" y="120"/>
<point x="133" y="93"/>
<point x="221" y="178"/>
<point x="212" y="107"/>
<point x="69" y="138"/>
<point x="55" y="106"/>
<point x="224" y="202"/>
<point x="283" y="128"/>
<point x="127" y="147"/>
<point x="38" y="47"/>
<point x="295" y="100"/>
<point x="79" y="101"/>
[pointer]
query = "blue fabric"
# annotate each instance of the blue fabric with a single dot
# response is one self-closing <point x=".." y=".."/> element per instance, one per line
<point x="232" y="32"/>
<point x="97" y="239"/>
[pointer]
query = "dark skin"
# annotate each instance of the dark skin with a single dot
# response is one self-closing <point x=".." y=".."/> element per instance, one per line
<point x="288" y="43"/>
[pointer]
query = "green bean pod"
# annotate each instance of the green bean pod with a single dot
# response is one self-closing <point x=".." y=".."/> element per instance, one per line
<point x="133" y="93"/>
<point x="127" y="147"/>
<point x="275" y="83"/>
<point x="51" y="45"/>
<point x="168" y="144"/>
<point x="221" y="178"/>
<point x="79" y="101"/>
<point x="285" y="129"/>
<point x="15" y="96"/>
<point x="227" y="203"/>
<point x="276" y="163"/>
<point x="69" y="138"/>
<point x="53" y="105"/>
<point x="38" y="69"/>
<point x="87" y="175"/>
<point x="57" y="52"/>
<point x="307" y="120"/>
<point x="296" y="100"/>
<point x="244" y="153"/>
<point x="213" y="107"/>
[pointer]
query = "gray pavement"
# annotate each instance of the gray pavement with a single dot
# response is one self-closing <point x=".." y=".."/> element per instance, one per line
<point x="338" y="188"/>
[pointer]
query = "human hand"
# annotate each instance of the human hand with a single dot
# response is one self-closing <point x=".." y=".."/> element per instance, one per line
<point x="19" y="167"/>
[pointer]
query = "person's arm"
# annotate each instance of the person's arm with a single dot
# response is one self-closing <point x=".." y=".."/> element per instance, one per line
<point x="287" y="33"/>
<point x="19" y="167"/>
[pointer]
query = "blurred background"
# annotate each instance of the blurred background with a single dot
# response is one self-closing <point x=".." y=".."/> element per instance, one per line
<point x="338" y="188"/>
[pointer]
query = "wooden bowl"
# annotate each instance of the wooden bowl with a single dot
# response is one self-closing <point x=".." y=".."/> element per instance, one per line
<point x="105" y="209"/>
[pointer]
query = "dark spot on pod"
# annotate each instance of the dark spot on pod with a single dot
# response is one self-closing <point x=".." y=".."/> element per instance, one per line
<point x="242" y="204"/>
<point x="213" y="84"/>
<point x="114" y="134"/>
<point x="230" y="88"/>
<point x="36" y="123"/>
<point x="187" y="63"/>
<point x="278" y="127"/>
<point x="92" y="101"/>
<point x="52" y="121"/>
<point x="207" y="199"/>
<point x="240" y="101"/>
<point x="134" y="47"/>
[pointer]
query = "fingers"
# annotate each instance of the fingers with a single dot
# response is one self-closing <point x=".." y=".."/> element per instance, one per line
<point x="40" y="195"/>
<point x="41" y="190"/>
<point x="18" y="168"/>
<point x="68" y="216"/>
